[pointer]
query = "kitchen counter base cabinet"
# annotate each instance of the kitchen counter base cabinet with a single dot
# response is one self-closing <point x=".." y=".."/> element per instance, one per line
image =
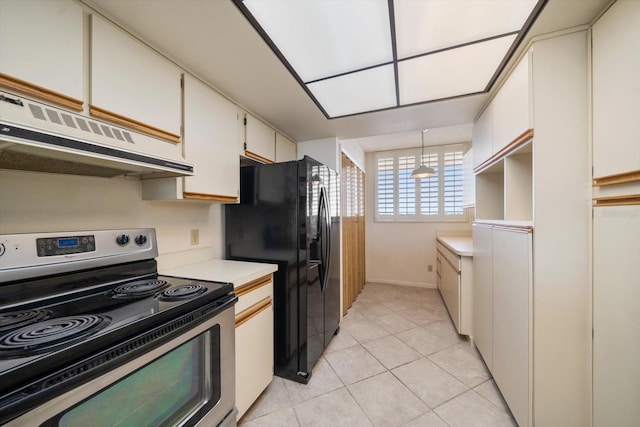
<point x="254" y="341"/>
<point x="483" y="292"/>
<point x="455" y="285"/>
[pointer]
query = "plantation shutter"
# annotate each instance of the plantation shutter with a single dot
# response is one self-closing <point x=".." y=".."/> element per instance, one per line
<point x="452" y="185"/>
<point x="385" y="190"/>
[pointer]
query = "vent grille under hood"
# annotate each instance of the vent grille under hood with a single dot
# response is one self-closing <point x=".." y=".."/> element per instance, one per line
<point x="37" y="137"/>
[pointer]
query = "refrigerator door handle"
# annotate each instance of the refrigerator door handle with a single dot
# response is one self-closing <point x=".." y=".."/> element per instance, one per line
<point x="325" y="238"/>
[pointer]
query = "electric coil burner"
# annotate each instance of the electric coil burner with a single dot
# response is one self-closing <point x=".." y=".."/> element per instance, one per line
<point x="84" y="315"/>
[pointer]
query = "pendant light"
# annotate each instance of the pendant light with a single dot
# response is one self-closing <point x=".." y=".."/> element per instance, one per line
<point x="423" y="171"/>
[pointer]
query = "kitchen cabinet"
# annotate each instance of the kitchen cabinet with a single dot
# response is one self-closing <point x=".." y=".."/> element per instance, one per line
<point x="455" y="272"/>
<point x="260" y="140"/>
<point x="482" y="137"/>
<point x="483" y="291"/>
<point x="511" y="108"/>
<point x="616" y="90"/>
<point x="210" y="143"/>
<point x="254" y="341"/>
<point x="510" y="331"/>
<point x="41" y="50"/>
<point x="132" y="85"/>
<point x="285" y="149"/>
<point x="529" y="184"/>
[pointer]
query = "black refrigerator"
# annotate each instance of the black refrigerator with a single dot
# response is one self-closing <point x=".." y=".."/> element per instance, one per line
<point x="289" y="215"/>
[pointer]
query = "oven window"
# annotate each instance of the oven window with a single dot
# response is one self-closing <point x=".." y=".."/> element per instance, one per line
<point x="165" y="392"/>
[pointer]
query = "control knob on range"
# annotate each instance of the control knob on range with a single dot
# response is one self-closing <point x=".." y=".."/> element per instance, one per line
<point x="141" y="239"/>
<point x="122" y="239"/>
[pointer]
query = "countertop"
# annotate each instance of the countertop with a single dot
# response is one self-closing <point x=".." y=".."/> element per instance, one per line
<point x="462" y="246"/>
<point x="220" y="270"/>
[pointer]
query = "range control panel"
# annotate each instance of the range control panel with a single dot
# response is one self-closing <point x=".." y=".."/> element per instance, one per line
<point x="66" y="245"/>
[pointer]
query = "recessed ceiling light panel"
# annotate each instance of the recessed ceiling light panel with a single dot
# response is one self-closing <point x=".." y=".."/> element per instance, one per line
<point x="329" y="37"/>
<point x="368" y="90"/>
<point x="450" y="73"/>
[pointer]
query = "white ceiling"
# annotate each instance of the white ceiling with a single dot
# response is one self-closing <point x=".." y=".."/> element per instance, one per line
<point x="211" y="39"/>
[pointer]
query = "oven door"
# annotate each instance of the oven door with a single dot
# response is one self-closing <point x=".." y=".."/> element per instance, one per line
<point x="183" y="382"/>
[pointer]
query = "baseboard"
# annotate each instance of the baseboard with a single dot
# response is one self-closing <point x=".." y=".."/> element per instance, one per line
<point x="402" y="283"/>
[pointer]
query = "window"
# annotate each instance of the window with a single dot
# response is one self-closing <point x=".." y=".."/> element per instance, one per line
<point x="402" y="198"/>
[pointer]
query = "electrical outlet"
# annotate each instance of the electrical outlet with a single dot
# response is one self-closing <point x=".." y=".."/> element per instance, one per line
<point x="195" y="237"/>
<point x="430" y="268"/>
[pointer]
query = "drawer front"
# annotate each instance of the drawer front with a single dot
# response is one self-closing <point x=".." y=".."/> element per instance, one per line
<point x="451" y="258"/>
<point x="253" y="292"/>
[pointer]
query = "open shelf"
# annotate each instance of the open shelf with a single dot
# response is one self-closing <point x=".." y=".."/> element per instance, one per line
<point x="490" y="192"/>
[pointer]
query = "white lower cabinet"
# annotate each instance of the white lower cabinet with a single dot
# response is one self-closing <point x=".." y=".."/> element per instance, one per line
<point x="511" y="337"/>
<point x="254" y="341"/>
<point x="455" y="275"/>
<point x="483" y="292"/>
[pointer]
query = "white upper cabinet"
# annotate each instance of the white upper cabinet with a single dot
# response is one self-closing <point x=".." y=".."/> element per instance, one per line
<point x="210" y="143"/>
<point x="511" y="107"/>
<point x="285" y="149"/>
<point x="616" y="90"/>
<point x="482" y="137"/>
<point x="132" y="85"/>
<point x="41" y="48"/>
<point x="260" y="140"/>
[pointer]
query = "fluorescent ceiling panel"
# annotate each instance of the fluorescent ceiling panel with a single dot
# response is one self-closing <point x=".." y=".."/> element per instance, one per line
<point x="325" y="38"/>
<point x="368" y="90"/>
<point x="452" y="72"/>
<point x="427" y="26"/>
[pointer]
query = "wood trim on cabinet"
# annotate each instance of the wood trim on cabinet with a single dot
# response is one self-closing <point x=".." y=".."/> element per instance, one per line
<point x="252" y="311"/>
<point x="524" y="229"/>
<point x="619" y="178"/>
<point x="252" y="286"/>
<point x="133" y="124"/>
<point x="209" y="197"/>
<point x="257" y="157"/>
<point x="520" y="140"/>
<point x="456" y="269"/>
<point x="40" y="92"/>
<point x="626" y="200"/>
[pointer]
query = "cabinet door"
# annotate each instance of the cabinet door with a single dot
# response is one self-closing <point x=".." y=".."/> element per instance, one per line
<point x="511" y="288"/>
<point x="260" y="140"/>
<point x="132" y="85"/>
<point x="285" y="149"/>
<point x="510" y="114"/>
<point x="616" y="316"/>
<point x="41" y="48"/>
<point x="616" y="90"/>
<point x="483" y="292"/>
<point x="450" y="290"/>
<point x="210" y="136"/>
<point x="254" y="358"/>
<point x="482" y="137"/>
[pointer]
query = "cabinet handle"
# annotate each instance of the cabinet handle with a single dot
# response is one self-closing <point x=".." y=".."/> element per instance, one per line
<point x="619" y="178"/>
<point x="40" y="92"/>
<point x="210" y="197"/>
<point x="630" y="199"/>
<point x="257" y="157"/>
<point x="252" y="286"/>
<point x="133" y="124"/>
<point x="253" y="311"/>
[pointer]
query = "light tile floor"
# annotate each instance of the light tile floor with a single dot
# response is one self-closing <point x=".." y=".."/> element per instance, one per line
<point x="397" y="361"/>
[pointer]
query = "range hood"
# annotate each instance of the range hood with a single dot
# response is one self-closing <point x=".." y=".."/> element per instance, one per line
<point x="35" y="136"/>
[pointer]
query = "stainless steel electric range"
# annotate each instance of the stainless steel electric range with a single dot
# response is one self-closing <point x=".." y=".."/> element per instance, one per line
<point x="91" y="335"/>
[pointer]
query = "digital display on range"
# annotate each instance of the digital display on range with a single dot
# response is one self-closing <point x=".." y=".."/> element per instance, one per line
<point x="68" y="242"/>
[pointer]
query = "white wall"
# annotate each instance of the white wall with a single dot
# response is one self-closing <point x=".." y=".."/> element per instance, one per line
<point x="353" y="150"/>
<point x="326" y="151"/>
<point x="400" y="253"/>
<point x="32" y="202"/>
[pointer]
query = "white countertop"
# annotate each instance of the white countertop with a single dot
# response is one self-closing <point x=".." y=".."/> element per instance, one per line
<point x="220" y="270"/>
<point x="462" y="246"/>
